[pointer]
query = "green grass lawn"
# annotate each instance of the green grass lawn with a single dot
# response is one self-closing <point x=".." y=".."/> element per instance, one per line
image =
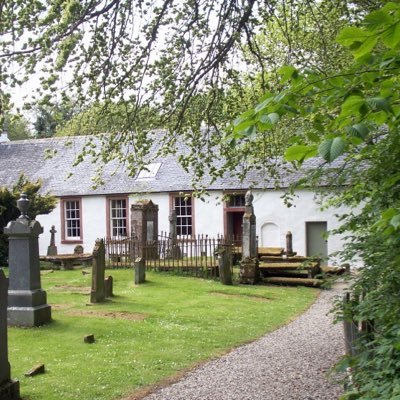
<point x="143" y="334"/>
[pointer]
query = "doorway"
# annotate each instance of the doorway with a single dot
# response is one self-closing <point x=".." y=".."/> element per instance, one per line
<point x="234" y="226"/>
<point x="316" y="240"/>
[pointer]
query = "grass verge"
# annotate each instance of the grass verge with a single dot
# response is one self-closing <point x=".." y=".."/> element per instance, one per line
<point x="144" y="333"/>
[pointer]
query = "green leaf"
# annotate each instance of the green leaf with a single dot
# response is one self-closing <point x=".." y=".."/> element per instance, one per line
<point x="352" y="105"/>
<point x="264" y="104"/>
<point x="395" y="221"/>
<point x="287" y="72"/>
<point x="365" y="47"/>
<point x="331" y="149"/>
<point x="300" y="152"/>
<point x="358" y="130"/>
<point x="271" y="118"/>
<point x="351" y="35"/>
<point x="379" y="103"/>
<point x="243" y="125"/>
<point x="391" y="37"/>
<point x="377" y="19"/>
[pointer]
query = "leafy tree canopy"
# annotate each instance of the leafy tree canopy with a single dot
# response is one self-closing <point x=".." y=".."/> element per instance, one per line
<point x="352" y="115"/>
<point x="166" y="56"/>
<point x="39" y="204"/>
<point x="17" y="127"/>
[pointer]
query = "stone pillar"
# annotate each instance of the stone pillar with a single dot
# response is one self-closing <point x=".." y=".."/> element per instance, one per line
<point x="52" y="249"/>
<point x="144" y="225"/>
<point x="9" y="390"/>
<point x="97" y="293"/>
<point x="289" y="244"/>
<point x="26" y="299"/>
<point x="174" y="251"/>
<point x="140" y="271"/>
<point x="249" y="272"/>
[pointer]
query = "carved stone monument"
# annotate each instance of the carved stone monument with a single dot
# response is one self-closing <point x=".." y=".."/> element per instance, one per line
<point x="52" y="249"/>
<point x="9" y="389"/>
<point x="249" y="272"/>
<point x="97" y="293"/>
<point x="144" y="225"/>
<point x="26" y="300"/>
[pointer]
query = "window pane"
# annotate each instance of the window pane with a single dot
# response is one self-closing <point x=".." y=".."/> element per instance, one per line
<point x="72" y="219"/>
<point x="183" y="209"/>
<point x="118" y="220"/>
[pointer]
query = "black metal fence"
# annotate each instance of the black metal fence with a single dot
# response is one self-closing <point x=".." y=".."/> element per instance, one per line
<point x="197" y="256"/>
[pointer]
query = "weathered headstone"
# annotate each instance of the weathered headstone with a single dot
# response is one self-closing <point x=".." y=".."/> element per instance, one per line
<point x="140" y="271"/>
<point x="78" y="249"/>
<point x="108" y="286"/>
<point x="224" y="265"/>
<point x="26" y="300"/>
<point x="249" y="272"/>
<point x="9" y="389"/>
<point x="289" y="245"/>
<point x="97" y="293"/>
<point x="144" y="225"/>
<point x="52" y="249"/>
<point x="174" y="251"/>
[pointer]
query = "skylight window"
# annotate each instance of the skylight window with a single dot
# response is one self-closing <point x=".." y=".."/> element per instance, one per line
<point x="150" y="171"/>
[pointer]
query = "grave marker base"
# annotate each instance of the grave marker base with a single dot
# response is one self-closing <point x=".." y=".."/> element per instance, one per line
<point x="28" y="316"/>
<point x="9" y="390"/>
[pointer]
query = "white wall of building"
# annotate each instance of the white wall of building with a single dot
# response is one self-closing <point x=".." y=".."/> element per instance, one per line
<point x="271" y="213"/>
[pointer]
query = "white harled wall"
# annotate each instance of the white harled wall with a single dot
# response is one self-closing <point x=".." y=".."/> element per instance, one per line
<point x="274" y="219"/>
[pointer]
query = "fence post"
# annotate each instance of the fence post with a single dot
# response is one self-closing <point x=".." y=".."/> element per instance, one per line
<point x="350" y="329"/>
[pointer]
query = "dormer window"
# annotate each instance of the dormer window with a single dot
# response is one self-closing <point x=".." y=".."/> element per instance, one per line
<point x="150" y="171"/>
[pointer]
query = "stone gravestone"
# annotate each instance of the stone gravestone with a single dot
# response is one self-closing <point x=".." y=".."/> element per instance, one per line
<point x="140" y="271"/>
<point x="52" y="249"/>
<point x="9" y="390"/>
<point x="97" y="293"/>
<point x="174" y="251"/>
<point x="289" y="245"/>
<point x="249" y="272"/>
<point x="26" y="299"/>
<point x="225" y="264"/>
<point x="144" y="225"/>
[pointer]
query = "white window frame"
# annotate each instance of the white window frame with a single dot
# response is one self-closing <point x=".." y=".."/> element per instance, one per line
<point x="72" y="219"/>
<point x="118" y="220"/>
<point x="184" y="216"/>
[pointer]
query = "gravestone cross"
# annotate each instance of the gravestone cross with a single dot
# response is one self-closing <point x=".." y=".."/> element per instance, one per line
<point x="97" y="293"/>
<point x="52" y="249"/>
<point x="249" y="265"/>
<point x="26" y="300"/>
<point x="9" y="389"/>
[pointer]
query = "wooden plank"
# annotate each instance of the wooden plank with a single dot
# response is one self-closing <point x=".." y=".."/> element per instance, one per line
<point x="294" y="281"/>
<point x="287" y="266"/>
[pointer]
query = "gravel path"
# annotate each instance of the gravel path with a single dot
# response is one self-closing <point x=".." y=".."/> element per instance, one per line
<point x="290" y="363"/>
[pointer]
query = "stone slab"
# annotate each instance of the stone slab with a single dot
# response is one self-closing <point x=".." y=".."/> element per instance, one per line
<point x="29" y="316"/>
<point x="9" y="390"/>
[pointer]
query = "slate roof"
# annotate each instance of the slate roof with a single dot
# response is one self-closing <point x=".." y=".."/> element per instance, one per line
<point x="29" y="157"/>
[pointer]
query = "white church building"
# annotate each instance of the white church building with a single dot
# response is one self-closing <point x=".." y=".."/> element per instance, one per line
<point x="84" y="213"/>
